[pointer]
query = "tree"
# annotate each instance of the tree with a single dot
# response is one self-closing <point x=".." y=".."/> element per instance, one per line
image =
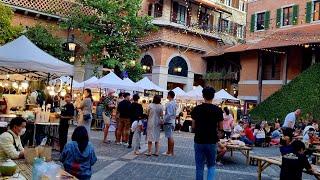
<point x="40" y="36"/>
<point x="114" y="27"/>
<point x="7" y="31"/>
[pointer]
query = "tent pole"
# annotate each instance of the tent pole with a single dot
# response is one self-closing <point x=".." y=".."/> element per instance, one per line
<point x="48" y="79"/>
<point x="71" y="84"/>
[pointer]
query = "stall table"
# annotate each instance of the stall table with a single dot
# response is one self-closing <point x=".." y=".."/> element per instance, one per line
<point x="264" y="162"/>
<point x="26" y="170"/>
<point x="245" y="150"/>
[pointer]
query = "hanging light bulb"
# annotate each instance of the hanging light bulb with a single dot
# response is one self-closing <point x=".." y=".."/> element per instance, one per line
<point x="63" y="92"/>
<point x="25" y="84"/>
<point x="51" y="93"/>
<point x="15" y="85"/>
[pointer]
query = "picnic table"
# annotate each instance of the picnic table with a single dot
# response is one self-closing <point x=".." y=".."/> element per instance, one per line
<point x="26" y="170"/>
<point x="264" y="162"/>
<point x="245" y="150"/>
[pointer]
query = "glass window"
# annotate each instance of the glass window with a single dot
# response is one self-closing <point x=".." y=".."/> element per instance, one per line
<point x="287" y="14"/>
<point x="260" y="21"/>
<point x="224" y="25"/>
<point x="228" y="2"/>
<point x="182" y="15"/>
<point x="316" y="10"/>
<point x="240" y="31"/>
<point x="241" y="6"/>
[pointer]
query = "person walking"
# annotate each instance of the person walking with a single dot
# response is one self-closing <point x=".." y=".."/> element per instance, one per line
<point x="109" y="105"/>
<point x="136" y="112"/>
<point x="86" y="107"/>
<point x="227" y="122"/>
<point x="78" y="156"/>
<point x="290" y="121"/>
<point x="124" y="120"/>
<point x="67" y="113"/>
<point x="155" y="113"/>
<point x="169" y="122"/>
<point x="208" y="127"/>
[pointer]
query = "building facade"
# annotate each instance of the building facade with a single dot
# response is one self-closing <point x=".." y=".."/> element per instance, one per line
<point x="281" y="41"/>
<point x="188" y="31"/>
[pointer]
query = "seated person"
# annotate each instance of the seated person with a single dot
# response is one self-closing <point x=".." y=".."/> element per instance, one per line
<point x="247" y="135"/>
<point x="238" y="128"/>
<point x="276" y="135"/>
<point x="286" y="147"/>
<point x="259" y="135"/>
<point x="313" y="124"/>
<point x="294" y="163"/>
<point x="10" y="143"/>
<point x="78" y="156"/>
<point x="222" y="149"/>
<point x="310" y="137"/>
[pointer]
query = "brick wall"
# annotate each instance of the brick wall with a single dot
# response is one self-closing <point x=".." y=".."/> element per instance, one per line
<point x="249" y="66"/>
<point x="272" y="6"/>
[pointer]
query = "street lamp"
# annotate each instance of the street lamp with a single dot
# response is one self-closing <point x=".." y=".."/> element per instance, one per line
<point x="71" y="44"/>
<point x="72" y="58"/>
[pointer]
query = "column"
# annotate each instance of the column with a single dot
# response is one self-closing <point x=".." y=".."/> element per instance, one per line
<point x="189" y="86"/>
<point x="160" y="76"/>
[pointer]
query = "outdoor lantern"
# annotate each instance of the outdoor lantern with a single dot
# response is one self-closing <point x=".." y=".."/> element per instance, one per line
<point x="178" y="69"/>
<point x="144" y="67"/>
<point x="71" y="59"/>
<point x="71" y="44"/>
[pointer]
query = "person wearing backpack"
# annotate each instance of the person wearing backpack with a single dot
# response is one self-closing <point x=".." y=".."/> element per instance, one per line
<point x="78" y="156"/>
<point x="10" y="142"/>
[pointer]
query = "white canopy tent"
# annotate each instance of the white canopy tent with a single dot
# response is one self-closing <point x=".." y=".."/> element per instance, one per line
<point x="111" y="80"/>
<point x="146" y="84"/>
<point x="179" y="93"/>
<point x="223" y="95"/>
<point x="195" y="94"/>
<point x="21" y="55"/>
<point x="85" y="83"/>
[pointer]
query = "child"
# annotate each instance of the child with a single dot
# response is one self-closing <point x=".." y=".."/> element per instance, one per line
<point x="222" y="149"/>
<point x="137" y="128"/>
<point x="78" y="155"/>
<point x="294" y="163"/>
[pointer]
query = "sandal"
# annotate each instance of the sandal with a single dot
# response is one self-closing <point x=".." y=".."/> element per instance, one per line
<point x="147" y="154"/>
<point x="155" y="154"/>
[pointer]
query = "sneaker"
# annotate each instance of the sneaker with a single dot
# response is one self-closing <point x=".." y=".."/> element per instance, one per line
<point x="125" y="144"/>
<point x="219" y="163"/>
<point x="118" y="143"/>
<point x="129" y="147"/>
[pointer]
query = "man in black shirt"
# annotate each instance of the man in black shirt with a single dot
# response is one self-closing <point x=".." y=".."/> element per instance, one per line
<point x="294" y="163"/>
<point x="136" y="112"/>
<point x="208" y="128"/>
<point x="124" y="119"/>
<point x="67" y="113"/>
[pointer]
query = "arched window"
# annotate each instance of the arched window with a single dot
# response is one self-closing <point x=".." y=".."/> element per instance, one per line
<point x="147" y="63"/>
<point x="178" y="67"/>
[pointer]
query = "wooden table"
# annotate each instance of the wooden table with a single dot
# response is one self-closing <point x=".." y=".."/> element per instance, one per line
<point x="26" y="170"/>
<point x="245" y="150"/>
<point x="264" y="162"/>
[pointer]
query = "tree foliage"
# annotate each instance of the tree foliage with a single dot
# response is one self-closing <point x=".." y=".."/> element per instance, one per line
<point x="302" y="92"/>
<point x="7" y="31"/>
<point x="40" y="36"/>
<point x="115" y="27"/>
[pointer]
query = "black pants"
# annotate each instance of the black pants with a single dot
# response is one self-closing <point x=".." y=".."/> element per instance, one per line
<point x="130" y="138"/>
<point x="63" y="133"/>
<point x="227" y="134"/>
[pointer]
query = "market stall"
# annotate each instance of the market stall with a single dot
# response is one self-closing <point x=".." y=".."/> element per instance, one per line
<point x="31" y="82"/>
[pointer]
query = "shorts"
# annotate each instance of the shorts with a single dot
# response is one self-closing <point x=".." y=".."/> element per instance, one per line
<point x="124" y="124"/>
<point x="106" y="119"/>
<point x="168" y="130"/>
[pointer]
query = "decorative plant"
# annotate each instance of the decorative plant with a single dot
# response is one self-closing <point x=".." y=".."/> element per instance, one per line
<point x="7" y="31"/>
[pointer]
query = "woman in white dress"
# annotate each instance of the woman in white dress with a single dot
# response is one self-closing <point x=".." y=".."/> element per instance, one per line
<point x="155" y="114"/>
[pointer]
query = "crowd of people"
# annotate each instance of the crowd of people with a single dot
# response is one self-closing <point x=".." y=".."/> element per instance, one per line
<point x="132" y="120"/>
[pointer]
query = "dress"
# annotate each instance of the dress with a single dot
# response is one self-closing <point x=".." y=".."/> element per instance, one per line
<point x="153" y="129"/>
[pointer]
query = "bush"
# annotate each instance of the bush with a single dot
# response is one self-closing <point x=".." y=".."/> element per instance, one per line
<point x="303" y="92"/>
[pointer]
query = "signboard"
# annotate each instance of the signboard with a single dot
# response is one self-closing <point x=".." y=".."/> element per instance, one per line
<point x="151" y="93"/>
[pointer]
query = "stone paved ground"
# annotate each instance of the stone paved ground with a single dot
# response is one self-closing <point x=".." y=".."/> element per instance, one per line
<point x="116" y="162"/>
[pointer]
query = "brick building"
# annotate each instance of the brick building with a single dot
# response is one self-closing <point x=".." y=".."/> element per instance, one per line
<point x="173" y="56"/>
<point x="282" y="40"/>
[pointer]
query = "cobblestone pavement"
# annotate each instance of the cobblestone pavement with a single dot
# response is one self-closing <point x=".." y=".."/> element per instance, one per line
<point x="117" y="162"/>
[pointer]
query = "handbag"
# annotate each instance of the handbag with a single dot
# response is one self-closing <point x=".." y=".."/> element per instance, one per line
<point x="86" y="117"/>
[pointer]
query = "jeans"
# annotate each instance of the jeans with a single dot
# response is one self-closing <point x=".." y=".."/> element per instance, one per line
<point x="246" y="140"/>
<point x="205" y="153"/>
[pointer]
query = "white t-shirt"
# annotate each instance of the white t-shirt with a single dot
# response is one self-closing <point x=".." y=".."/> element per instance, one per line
<point x="291" y="117"/>
<point x="259" y="134"/>
<point x="238" y="129"/>
<point x="135" y="125"/>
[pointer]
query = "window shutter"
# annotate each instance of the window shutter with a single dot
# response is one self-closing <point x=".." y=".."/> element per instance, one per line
<point x="278" y="18"/>
<point x="150" y="10"/>
<point x="308" y="12"/>
<point x="267" y="20"/>
<point x="295" y="14"/>
<point x="175" y="7"/>
<point x="253" y="22"/>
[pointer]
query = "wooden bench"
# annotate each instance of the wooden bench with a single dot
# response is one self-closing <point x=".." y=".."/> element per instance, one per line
<point x="245" y="150"/>
<point x="317" y="155"/>
<point x="264" y="162"/>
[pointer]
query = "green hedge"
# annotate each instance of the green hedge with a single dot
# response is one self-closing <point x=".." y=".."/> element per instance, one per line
<point x="302" y="92"/>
